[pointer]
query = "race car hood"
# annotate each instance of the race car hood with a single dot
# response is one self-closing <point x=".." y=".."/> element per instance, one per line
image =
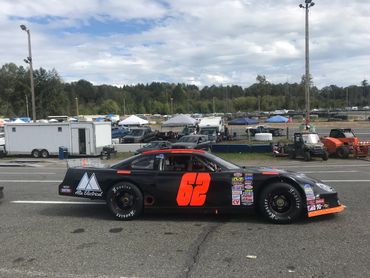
<point x="300" y="178"/>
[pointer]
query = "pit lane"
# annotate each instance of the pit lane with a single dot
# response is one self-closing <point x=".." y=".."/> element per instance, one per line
<point x="81" y="240"/>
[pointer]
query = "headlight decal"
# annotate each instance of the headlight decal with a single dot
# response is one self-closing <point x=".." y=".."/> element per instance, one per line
<point x="324" y="187"/>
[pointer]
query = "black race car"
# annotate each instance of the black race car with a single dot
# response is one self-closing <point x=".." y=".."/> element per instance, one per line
<point x="186" y="179"/>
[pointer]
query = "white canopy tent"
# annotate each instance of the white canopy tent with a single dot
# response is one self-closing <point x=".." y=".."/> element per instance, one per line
<point x="180" y="120"/>
<point x="133" y="120"/>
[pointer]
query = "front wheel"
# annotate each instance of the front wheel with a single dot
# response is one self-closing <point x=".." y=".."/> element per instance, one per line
<point x="280" y="203"/>
<point x="125" y="201"/>
<point x="325" y="156"/>
<point x="35" y="153"/>
<point x="307" y="156"/>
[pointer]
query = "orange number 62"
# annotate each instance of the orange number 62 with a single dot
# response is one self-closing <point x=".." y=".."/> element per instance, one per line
<point x="193" y="189"/>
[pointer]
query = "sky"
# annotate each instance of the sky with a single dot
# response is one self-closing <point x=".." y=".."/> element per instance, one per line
<point x="200" y="42"/>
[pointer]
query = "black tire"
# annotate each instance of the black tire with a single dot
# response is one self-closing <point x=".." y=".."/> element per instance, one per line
<point x="307" y="156"/>
<point x="343" y="152"/>
<point x="291" y="154"/>
<point x="44" y="153"/>
<point x="35" y="153"/>
<point x="280" y="203"/>
<point x="325" y="156"/>
<point x="125" y="201"/>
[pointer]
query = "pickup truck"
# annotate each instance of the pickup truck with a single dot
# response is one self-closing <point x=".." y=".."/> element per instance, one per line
<point x="139" y="135"/>
<point x="265" y="129"/>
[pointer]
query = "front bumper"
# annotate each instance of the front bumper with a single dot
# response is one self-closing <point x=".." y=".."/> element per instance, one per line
<point x="322" y="204"/>
<point x="337" y="209"/>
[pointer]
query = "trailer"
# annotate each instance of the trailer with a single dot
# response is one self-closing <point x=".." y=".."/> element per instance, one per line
<point x="45" y="139"/>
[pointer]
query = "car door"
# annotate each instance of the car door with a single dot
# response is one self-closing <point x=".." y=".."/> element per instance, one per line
<point x="219" y="192"/>
<point x="172" y="167"/>
<point x="186" y="181"/>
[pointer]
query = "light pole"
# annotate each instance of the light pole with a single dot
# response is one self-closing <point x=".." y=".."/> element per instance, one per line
<point x="76" y="98"/>
<point x="308" y="4"/>
<point x="171" y="105"/>
<point x="29" y="61"/>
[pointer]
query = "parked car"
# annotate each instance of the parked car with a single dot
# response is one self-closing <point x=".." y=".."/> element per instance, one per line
<point x="265" y="129"/>
<point x="193" y="142"/>
<point x="139" y="135"/>
<point x="119" y="132"/>
<point x="155" y="145"/>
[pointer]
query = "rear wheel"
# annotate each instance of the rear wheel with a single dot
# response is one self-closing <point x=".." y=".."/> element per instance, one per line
<point x="307" y="156"/>
<point x="125" y="201"/>
<point x="35" y="153"/>
<point x="291" y="154"/>
<point x="343" y="152"/>
<point x="280" y="203"/>
<point x="44" y="154"/>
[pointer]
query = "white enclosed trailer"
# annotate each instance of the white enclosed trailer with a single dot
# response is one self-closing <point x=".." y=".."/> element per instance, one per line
<point x="44" y="139"/>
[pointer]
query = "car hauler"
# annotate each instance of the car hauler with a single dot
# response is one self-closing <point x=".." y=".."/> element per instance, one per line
<point x="44" y="139"/>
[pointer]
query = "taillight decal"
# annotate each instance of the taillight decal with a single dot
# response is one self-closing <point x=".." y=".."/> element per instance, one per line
<point x="123" y="172"/>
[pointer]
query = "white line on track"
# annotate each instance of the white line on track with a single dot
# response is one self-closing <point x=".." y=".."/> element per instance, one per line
<point x="344" y="181"/>
<point x="30" y="181"/>
<point x="322" y="165"/>
<point x="31" y="273"/>
<point x="316" y="172"/>
<point x="58" y="202"/>
<point x="27" y="173"/>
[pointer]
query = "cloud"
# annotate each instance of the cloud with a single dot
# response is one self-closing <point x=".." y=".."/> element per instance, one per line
<point x="201" y="42"/>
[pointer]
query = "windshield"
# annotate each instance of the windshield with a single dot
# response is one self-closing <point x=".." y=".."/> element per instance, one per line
<point x="152" y="144"/>
<point x="208" y="131"/>
<point x="348" y="134"/>
<point x="190" y="139"/>
<point x="223" y="163"/>
<point x="311" y="138"/>
<point x="136" y="132"/>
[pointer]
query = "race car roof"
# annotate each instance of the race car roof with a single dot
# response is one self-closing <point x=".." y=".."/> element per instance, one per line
<point x="174" y="151"/>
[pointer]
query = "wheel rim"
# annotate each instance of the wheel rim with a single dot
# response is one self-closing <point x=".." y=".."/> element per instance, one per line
<point x="36" y="154"/>
<point x="279" y="203"/>
<point x="125" y="200"/>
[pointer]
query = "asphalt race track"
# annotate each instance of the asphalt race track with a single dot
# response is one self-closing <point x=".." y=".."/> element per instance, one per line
<point x="44" y="235"/>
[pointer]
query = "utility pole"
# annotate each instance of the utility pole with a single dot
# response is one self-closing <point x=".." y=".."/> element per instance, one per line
<point x="29" y="61"/>
<point x="213" y="105"/>
<point x="308" y="4"/>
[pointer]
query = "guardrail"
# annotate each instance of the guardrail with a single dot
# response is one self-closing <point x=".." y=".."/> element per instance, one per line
<point x="242" y="148"/>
